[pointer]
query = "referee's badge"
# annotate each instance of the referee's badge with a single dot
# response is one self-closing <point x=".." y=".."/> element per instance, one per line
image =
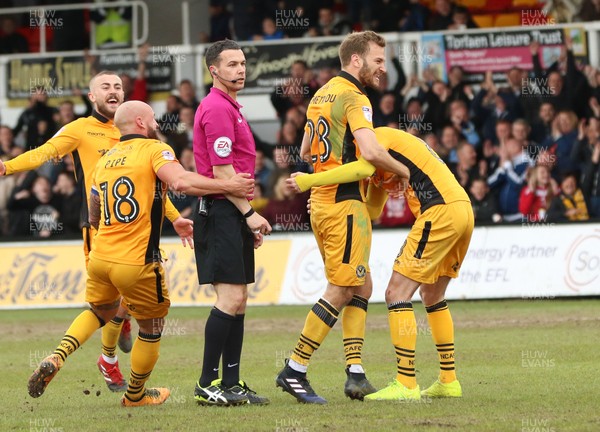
<point x="222" y="146"/>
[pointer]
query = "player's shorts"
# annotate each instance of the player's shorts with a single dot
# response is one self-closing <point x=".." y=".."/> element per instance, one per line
<point x="437" y="243"/>
<point x="223" y="245"/>
<point x="343" y="233"/>
<point x="88" y="238"/>
<point x="142" y="287"/>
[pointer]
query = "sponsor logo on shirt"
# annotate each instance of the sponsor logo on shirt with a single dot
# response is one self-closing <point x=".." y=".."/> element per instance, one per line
<point x="167" y="155"/>
<point x="368" y="113"/>
<point x="222" y="146"/>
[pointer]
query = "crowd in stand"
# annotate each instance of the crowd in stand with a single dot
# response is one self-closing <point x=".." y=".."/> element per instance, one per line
<point x="526" y="151"/>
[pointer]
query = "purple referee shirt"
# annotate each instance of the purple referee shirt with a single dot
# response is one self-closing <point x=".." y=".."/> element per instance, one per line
<point x="222" y="136"/>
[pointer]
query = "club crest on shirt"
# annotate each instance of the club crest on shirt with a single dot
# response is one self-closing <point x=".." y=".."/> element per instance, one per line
<point x="222" y="146"/>
<point x="368" y="113"/>
<point x="361" y="271"/>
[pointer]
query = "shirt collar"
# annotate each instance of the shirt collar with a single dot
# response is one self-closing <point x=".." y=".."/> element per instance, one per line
<point x="99" y="117"/>
<point x="132" y="136"/>
<point x="224" y="95"/>
<point x="353" y="80"/>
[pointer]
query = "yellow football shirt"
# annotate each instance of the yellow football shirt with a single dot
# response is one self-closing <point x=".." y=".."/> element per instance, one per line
<point x="337" y="109"/>
<point x="132" y="200"/>
<point x="431" y="182"/>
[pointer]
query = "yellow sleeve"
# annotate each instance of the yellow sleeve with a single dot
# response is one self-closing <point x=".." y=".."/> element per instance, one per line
<point x="170" y="211"/>
<point x="358" y="110"/>
<point x="62" y="143"/>
<point x="162" y="154"/>
<point x="376" y="199"/>
<point x="346" y="173"/>
<point x="32" y="159"/>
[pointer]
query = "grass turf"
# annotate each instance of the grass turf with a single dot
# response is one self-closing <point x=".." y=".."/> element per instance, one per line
<point x="523" y="366"/>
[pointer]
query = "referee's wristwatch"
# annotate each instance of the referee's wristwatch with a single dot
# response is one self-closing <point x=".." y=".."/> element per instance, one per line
<point x="249" y="213"/>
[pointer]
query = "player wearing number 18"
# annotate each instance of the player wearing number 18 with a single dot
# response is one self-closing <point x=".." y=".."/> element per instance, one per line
<point x="127" y="206"/>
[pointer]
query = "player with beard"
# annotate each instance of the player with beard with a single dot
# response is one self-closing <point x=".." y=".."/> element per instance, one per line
<point x="127" y="205"/>
<point x="87" y="139"/>
<point x="338" y="130"/>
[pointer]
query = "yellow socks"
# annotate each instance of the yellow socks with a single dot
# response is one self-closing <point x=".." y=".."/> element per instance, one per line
<point x="354" y="320"/>
<point x="319" y="321"/>
<point x="80" y="331"/>
<point x="110" y="336"/>
<point x="403" y="330"/>
<point x="144" y="356"/>
<point x="442" y="330"/>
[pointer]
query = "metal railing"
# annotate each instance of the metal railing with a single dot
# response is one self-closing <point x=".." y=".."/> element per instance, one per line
<point x="40" y="12"/>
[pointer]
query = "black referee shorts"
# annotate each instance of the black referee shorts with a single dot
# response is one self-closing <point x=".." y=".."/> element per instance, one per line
<point x="224" y="245"/>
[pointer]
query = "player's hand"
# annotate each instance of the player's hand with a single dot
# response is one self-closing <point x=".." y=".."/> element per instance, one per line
<point x="2" y="168"/>
<point x="185" y="230"/>
<point x="258" y="224"/>
<point x="240" y="185"/>
<point x="258" y="240"/>
<point x="291" y="182"/>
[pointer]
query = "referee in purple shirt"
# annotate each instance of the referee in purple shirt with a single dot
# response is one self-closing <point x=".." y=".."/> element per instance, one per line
<point x="226" y="228"/>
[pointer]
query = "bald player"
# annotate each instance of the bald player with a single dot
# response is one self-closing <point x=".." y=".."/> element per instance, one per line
<point x="86" y="140"/>
<point x="127" y="206"/>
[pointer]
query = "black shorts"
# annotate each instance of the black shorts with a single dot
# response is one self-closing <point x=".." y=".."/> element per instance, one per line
<point x="224" y="245"/>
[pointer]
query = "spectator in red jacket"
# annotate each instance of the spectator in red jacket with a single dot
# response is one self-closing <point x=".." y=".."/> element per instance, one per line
<point x="537" y="195"/>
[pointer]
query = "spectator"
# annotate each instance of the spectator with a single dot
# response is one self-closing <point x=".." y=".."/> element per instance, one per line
<point x="39" y="208"/>
<point x="415" y="18"/>
<point x="328" y="25"/>
<point x="537" y="194"/>
<point x="113" y="27"/>
<point x="459" y="117"/>
<point x="562" y="141"/>
<point x="137" y="88"/>
<point x="442" y="18"/>
<point x="396" y="212"/>
<point x="259" y="201"/>
<point x="449" y="139"/>
<point x="564" y="93"/>
<point x="590" y="178"/>
<point x="484" y="205"/>
<point x="286" y="210"/>
<point x="294" y="91"/>
<point x="37" y="119"/>
<point x="70" y="202"/>
<point x="269" y="31"/>
<point x="187" y="94"/>
<point x="589" y="11"/>
<point x="508" y="179"/>
<point x="7" y="142"/>
<point x="542" y="126"/>
<point x="11" y="41"/>
<point x="461" y="19"/>
<point x="262" y="169"/>
<point x="570" y="204"/>
<point x="387" y="15"/>
<point x="66" y="110"/>
<point x="466" y="169"/>
<point x="72" y="34"/>
<point x="386" y="112"/>
<point x="169" y="121"/>
<point x="521" y="130"/>
<point x="247" y="15"/>
<point x="219" y="21"/>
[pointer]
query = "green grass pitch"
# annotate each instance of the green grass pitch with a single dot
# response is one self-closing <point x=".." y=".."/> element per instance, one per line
<point x="524" y="366"/>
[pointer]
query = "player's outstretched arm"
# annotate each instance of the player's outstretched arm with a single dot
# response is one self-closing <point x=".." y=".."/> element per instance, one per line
<point x="377" y="155"/>
<point x="346" y="173"/>
<point x="177" y="178"/>
<point x="29" y="160"/>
